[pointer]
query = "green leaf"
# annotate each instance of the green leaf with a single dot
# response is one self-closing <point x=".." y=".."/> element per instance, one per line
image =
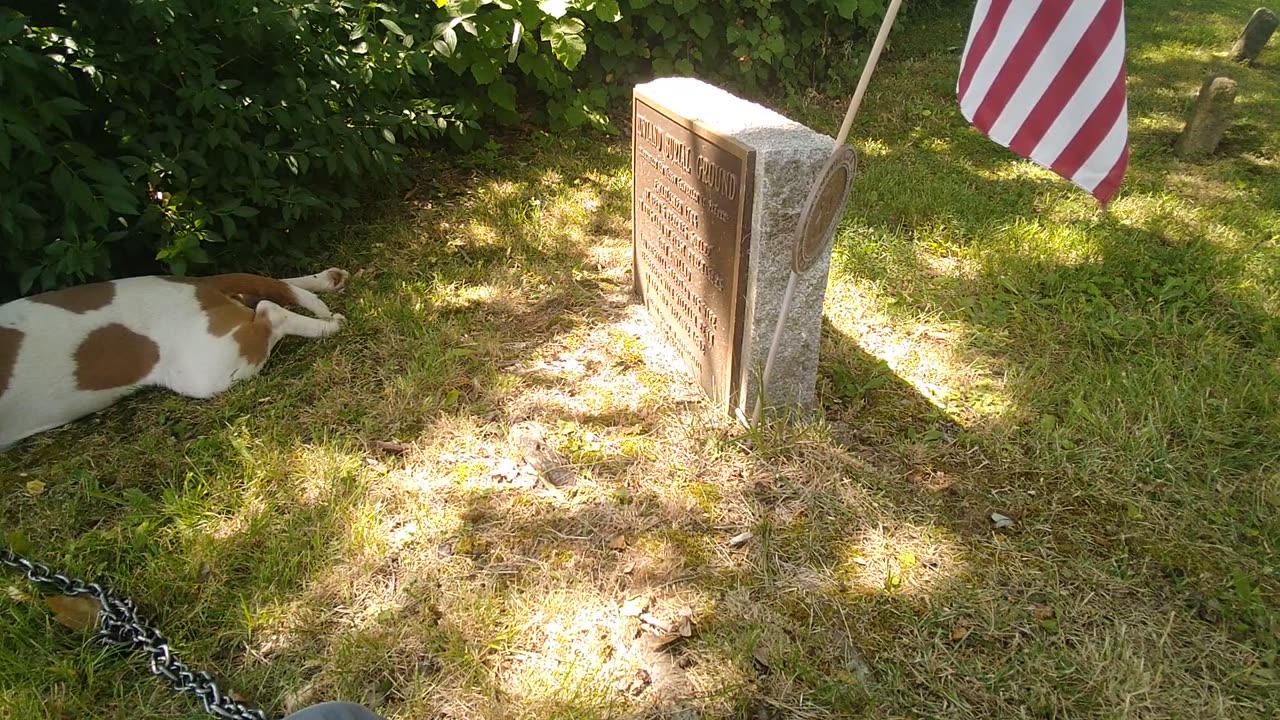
<point x="447" y="43"/>
<point x="28" y="278"/>
<point x="484" y="73"/>
<point x="566" y="40"/>
<point x="503" y="94"/>
<point x="392" y="26"/>
<point x="9" y="29"/>
<point x="701" y="24"/>
<point x="24" y="136"/>
<point x="846" y="8"/>
<point x="608" y="10"/>
<point x="68" y="105"/>
<point x="390" y="136"/>
<point x="657" y="22"/>
<point x="574" y="116"/>
<point x="198" y="255"/>
<point x="118" y="199"/>
<point x="554" y="8"/>
<point x="684" y="6"/>
<point x="61" y="179"/>
<point x="245" y="211"/>
<point x="640" y="4"/>
<point x="361" y="48"/>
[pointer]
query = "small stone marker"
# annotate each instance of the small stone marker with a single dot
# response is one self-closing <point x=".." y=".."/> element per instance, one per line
<point x="717" y="187"/>
<point x="1256" y="33"/>
<point x="1209" y="118"/>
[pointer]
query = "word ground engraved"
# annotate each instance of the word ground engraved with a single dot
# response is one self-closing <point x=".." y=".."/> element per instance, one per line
<point x="692" y="191"/>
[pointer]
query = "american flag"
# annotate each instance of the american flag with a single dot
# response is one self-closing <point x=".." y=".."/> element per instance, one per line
<point x="1046" y="79"/>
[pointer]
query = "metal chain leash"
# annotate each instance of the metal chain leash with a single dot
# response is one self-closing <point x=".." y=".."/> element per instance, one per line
<point x="120" y="625"/>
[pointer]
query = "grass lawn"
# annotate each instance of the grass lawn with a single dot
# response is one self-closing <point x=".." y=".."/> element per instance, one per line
<point x="991" y="345"/>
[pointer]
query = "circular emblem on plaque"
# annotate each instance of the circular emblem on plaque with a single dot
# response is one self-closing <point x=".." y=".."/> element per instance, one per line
<point x="823" y="209"/>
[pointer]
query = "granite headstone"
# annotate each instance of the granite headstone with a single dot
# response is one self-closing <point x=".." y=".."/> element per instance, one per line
<point x="717" y="188"/>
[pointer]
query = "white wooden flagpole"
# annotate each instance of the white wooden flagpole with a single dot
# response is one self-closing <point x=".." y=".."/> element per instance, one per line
<point x="854" y="103"/>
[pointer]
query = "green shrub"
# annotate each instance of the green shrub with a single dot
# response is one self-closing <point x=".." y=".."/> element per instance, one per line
<point x="173" y="134"/>
<point x="140" y="129"/>
<point x="751" y="46"/>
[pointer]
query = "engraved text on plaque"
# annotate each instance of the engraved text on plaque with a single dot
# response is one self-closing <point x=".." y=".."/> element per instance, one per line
<point x="691" y="211"/>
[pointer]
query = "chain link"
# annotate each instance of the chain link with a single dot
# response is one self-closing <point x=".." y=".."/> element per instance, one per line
<point x="120" y="625"/>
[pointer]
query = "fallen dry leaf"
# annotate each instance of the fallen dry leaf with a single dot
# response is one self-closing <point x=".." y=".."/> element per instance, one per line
<point x="654" y="622"/>
<point x="16" y="594"/>
<point x="78" y="613"/>
<point x="530" y="438"/>
<point x="960" y="632"/>
<point x="1044" y="612"/>
<point x="636" y="606"/>
<point x="300" y="697"/>
<point x="618" y="543"/>
<point x="662" y="642"/>
<point x="1002" y="521"/>
<point x="35" y="488"/>
<point x="686" y="620"/>
<point x="760" y="658"/>
<point x="741" y="539"/>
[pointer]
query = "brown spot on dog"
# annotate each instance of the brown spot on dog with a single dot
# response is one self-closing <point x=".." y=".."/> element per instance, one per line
<point x="223" y="313"/>
<point x="230" y="313"/>
<point x="252" y="286"/>
<point x="10" y="341"/>
<point x="114" y="356"/>
<point x="249" y="301"/>
<point x="80" y="299"/>
<point x="253" y="339"/>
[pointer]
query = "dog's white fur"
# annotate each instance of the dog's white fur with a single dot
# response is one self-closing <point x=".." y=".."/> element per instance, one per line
<point x="64" y="354"/>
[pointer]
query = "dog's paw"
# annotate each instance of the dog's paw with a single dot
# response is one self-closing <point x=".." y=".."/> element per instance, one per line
<point x="338" y="318"/>
<point x="337" y="278"/>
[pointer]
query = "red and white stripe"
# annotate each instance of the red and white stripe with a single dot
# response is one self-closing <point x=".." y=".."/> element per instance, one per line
<point x="1046" y="79"/>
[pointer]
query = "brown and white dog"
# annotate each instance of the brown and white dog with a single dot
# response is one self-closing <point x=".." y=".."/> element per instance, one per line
<point x="68" y="353"/>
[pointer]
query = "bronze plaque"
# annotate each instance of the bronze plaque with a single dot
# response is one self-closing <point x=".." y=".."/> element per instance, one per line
<point x="691" y="232"/>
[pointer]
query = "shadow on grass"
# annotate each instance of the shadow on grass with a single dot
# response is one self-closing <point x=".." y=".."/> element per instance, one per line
<point x="231" y="508"/>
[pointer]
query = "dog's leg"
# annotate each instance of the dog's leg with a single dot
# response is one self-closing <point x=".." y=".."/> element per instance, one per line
<point x="286" y="322"/>
<point x="330" y="280"/>
<point x="308" y="300"/>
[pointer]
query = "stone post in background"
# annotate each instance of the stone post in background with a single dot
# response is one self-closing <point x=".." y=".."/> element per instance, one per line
<point x="1208" y="119"/>
<point x="1255" y="36"/>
